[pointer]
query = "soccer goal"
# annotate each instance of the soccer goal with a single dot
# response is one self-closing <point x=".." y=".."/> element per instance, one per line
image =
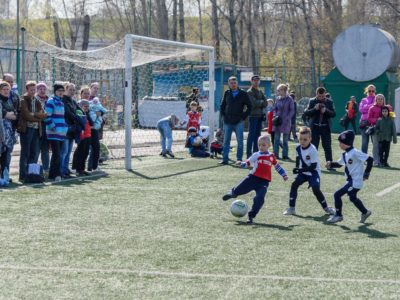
<point x="141" y="80"/>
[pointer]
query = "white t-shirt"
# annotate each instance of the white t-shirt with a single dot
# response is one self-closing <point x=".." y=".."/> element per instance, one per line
<point x="310" y="156"/>
<point x="354" y="161"/>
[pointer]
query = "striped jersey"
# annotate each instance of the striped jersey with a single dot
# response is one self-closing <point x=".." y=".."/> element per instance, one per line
<point x="262" y="163"/>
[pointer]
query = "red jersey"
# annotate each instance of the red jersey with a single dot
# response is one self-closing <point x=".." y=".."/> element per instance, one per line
<point x="262" y="163"/>
<point x="193" y="119"/>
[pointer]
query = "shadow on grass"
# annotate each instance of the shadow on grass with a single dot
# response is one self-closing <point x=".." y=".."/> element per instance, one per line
<point x="66" y="182"/>
<point x="321" y="219"/>
<point x="332" y="172"/>
<point x="173" y="174"/>
<point x="373" y="233"/>
<point x="388" y="169"/>
<point x="272" y="226"/>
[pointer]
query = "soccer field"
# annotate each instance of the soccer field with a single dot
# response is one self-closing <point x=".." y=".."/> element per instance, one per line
<point x="163" y="232"/>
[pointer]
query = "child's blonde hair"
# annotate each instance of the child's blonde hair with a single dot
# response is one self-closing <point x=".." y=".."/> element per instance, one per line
<point x="266" y="138"/>
<point x="380" y="96"/>
<point x="305" y="130"/>
<point x="193" y="103"/>
<point x="282" y="86"/>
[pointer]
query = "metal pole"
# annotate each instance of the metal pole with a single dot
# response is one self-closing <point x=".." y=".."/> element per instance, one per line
<point x="128" y="102"/>
<point x="211" y="95"/>
<point x="17" y="71"/>
<point x="23" y="55"/>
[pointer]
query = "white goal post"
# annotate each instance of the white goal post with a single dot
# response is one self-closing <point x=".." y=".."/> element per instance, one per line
<point x="129" y="48"/>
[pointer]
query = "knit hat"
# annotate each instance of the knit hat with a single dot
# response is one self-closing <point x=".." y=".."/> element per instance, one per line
<point x="84" y="102"/>
<point x="57" y="87"/>
<point x="41" y="84"/>
<point x="192" y="129"/>
<point x="347" y="137"/>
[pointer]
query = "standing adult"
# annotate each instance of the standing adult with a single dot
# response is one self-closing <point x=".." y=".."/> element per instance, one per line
<point x="9" y="117"/>
<point x="70" y="107"/>
<point x="320" y="112"/>
<point x="56" y="130"/>
<point x="364" y="107"/>
<point x="351" y="114"/>
<point x="13" y="96"/>
<point x="235" y="108"/>
<point x="29" y="128"/>
<point x="374" y="113"/>
<point x="258" y="102"/>
<point x="41" y="97"/>
<point x="282" y="120"/>
<point x="293" y="129"/>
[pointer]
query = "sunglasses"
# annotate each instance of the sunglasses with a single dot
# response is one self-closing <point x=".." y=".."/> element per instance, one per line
<point x="371" y="91"/>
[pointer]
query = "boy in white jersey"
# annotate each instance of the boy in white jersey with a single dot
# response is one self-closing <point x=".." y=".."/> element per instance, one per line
<point x="353" y="160"/>
<point x="308" y="169"/>
<point x="259" y="177"/>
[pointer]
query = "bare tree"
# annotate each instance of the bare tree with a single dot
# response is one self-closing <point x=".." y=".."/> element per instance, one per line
<point x="174" y="20"/>
<point x="215" y="29"/>
<point x="181" y="22"/>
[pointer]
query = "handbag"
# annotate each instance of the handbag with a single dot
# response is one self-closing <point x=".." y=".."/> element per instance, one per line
<point x="370" y="130"/>
<point x="276" y="121"/>
<point x="363" y="124"/>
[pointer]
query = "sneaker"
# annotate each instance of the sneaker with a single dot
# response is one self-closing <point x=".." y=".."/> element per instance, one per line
<point x="249" y="220"/>
<point x="289" y="211"/>
<point x="66" y="176"/>
<point x="223" y="162"/>
<point x="170" y="154"/>
<point x="335" y="219"/>
<point x="365" y="216"/>
<point x="228" y="196"/>
<point x="330" y="210"/>
<point x="98" y="170"/>
<point x="57" y="179"/>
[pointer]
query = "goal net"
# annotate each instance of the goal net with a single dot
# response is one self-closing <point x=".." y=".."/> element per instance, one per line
<point x="141" y="80"/>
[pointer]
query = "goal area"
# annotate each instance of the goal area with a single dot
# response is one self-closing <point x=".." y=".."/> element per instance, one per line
<point x="141" y="80"/>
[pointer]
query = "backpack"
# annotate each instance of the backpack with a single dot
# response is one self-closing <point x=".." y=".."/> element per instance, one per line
<point x="34" y="174"/>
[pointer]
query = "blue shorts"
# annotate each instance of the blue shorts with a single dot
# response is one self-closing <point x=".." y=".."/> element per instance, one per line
<point x="312" y="180"/>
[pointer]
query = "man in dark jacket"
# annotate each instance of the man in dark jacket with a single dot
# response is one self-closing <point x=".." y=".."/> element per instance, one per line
<point x="320" y="111"/>
<point x="258" y="102"/>
<point x="235" y="108"/>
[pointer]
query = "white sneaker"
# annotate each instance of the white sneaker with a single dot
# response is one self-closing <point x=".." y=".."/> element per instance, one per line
<point x="365" y="216"/>
<point x="98" y="170"/>
<point x="289" y="211"/>
<point x="330" y="211"/>
<point x="57" y="179"/>
<point x="335" y="219"/>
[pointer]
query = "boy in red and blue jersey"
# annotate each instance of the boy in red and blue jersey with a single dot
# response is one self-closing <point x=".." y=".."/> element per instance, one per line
<point x="259" y="177"/>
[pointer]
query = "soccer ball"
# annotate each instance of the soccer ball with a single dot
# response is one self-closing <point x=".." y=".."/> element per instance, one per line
<point x="239" y="208"/>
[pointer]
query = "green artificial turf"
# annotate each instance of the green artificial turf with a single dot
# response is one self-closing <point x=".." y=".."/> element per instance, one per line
<point x="163" y="232"/>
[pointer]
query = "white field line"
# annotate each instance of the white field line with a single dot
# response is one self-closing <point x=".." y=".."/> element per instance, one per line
<point x="388" y="190"/>
<point x="196" y="275"/>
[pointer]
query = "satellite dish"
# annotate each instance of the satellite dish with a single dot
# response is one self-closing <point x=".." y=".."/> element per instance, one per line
<point x="364" y="52"/>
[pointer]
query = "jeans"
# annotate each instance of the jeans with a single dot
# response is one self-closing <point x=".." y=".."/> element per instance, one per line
<point x="375" y="149"/>
<point x="255" y="124"/>
<point x="293" y="129"/>
<point x="55" y="162"/>
<point x="80" y="155"/>
<point x="66" y="150"/>
<point x="285" y="148"/>
<point x="6" y="160"/>
<point x="44" y="149"/>
<point x="166" y="136"/>
<point x="94" y="155"/>
<point x="29" y="150"/>
<point x="384" y="149"/>
<point x="228" y="129"/>
<point x="364" y="140"/>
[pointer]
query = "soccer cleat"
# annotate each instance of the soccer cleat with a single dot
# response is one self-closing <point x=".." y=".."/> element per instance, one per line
<point x="330" y="210"/>
<point x="289" y="211"/>
<point x="228" y="196"/>
<point x="223" y="162"/>
<point x="335" y="219"/>
<point x="249" y="220"/>
<point x="365" y="216"/>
